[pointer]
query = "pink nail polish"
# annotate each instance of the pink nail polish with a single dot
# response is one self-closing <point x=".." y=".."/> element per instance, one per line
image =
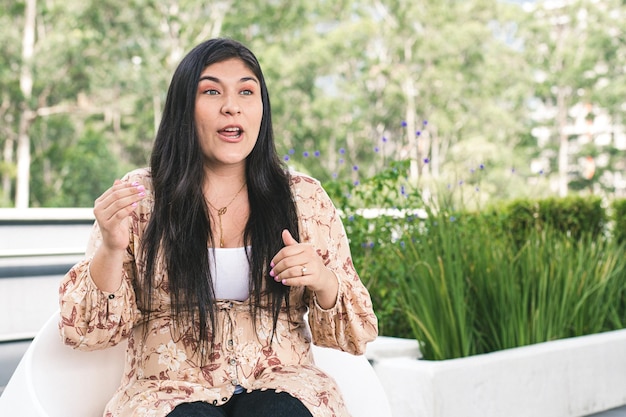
<point x="272" y="264"/>
<point x="284" y="281"/>
<point x="272" y="273"/>
<point x="140" y="188"/>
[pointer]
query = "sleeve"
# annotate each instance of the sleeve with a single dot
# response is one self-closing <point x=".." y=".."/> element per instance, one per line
<point x="92" y="319"/>
<point x="351" y="323"/>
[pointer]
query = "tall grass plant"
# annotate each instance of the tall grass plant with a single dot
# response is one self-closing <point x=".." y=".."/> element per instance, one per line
<point x="469" y="289"/>
<point x="467" y="282"/>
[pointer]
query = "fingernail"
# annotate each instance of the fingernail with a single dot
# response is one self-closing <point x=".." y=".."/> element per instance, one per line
<point x="142" y="194"/>
<point x="136" y="183"/>
<point x="272" y="273"/>
<point x="140" y="188"/>
<point x="284" y="281"/>
<point x="134" y="204"/>
<point x="272" y="264"/>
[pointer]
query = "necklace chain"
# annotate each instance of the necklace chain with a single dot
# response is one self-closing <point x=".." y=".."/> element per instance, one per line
<point x="222" y="211"/>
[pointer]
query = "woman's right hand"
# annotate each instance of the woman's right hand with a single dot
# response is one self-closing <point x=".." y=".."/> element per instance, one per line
<point x="112" y="211"/>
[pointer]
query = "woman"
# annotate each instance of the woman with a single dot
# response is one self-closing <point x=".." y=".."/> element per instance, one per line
<point x="208" y="262"/>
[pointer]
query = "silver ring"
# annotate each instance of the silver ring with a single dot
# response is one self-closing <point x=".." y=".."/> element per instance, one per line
<point x="303" y="270"/>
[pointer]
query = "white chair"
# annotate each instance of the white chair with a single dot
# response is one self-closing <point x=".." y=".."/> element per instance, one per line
<point x="53" y="380"/>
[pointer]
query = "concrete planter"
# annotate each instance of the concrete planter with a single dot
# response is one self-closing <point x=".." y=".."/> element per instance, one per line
<point x="564" y="378"/>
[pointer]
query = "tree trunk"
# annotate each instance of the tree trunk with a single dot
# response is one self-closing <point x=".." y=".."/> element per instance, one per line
<point x="563" y="160"/>
<point x="6" y="174"/>
<point x="22" y="189"/>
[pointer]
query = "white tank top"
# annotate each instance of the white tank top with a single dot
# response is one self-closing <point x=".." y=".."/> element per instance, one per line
<point x="230" y="272"/>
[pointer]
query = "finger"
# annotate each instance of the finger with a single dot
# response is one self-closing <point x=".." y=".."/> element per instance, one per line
<point x="297" y="274"/>
<point x="108" y="192"/>
<point x="293" y="277"/>
<point x="288" y="240"/>
<point x="119" y="200"/>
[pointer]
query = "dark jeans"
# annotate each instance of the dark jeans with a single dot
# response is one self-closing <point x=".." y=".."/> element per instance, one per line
<point x="254" y="404"/>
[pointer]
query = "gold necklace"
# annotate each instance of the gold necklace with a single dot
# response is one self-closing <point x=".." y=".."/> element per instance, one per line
<point x="222" y="211"/>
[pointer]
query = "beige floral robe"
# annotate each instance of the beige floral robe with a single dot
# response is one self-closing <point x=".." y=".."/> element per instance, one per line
<point x="162" y="371"/>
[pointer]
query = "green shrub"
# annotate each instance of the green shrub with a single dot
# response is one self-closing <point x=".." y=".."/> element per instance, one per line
<point x="618" y="217"/>
<point x="573" y="216"/>
<point x="470" y="282"/>
<point x="470" y="292"/>
<point x="372" y="238"/>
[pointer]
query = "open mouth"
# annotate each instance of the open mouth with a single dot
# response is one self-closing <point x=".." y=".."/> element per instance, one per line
<point x="231" y="132"/>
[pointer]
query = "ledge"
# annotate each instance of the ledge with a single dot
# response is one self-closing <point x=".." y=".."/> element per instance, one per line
<point x="385" y="347"/>
<point x="564" y="378"/>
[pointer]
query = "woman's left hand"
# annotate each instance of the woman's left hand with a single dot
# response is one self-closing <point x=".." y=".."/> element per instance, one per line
<point x="298" y="264"/>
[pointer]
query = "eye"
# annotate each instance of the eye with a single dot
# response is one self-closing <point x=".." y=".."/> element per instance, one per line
<point x="211" y="92"/>
<point x="246" y="92"/>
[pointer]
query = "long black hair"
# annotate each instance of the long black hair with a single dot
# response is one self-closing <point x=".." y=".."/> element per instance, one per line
<point x="180" y="226"/>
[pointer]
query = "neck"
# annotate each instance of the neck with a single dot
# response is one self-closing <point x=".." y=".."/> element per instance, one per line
<point x="222" y="184"/>
<point x="225" y="198"/>
<point x="224" y="173"/>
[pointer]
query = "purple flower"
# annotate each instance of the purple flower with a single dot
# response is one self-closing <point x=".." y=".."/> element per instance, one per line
<point x="342" y="151"/>
<point x="355" y="168"/>
<point x="425" y="122"/>
<point x="384" y="139"/>
<point x="292" y="151"/>
<point x="541" y="172"/>
<point x="356" y="183"/>
<point x="341" y="160"/>
<point x="334" y="175"/>
<point x="404" y="123"/>
<point x="376" y="149"/>
<point x="305" y="154"/>
<point x="317" y="154"/>
<point x="481" y="166"/>
<point x="418" y="133"/>
<point x="286" y="158"/>
<point x="402" y="190"/>
<point x="426" y="160"/>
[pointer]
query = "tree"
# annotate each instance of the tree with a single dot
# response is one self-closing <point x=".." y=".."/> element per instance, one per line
<point x="354" y="84"/>
<point x="574" y="50"/>
<point x="456" y="66"/>
<point x="48" y="83"/>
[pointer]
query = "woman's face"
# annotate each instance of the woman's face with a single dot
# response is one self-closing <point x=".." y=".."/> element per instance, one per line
<point x="228" y="113"/>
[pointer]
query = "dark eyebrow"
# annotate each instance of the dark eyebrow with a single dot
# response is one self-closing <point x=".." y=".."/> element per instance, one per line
<point x="217" y="80"/>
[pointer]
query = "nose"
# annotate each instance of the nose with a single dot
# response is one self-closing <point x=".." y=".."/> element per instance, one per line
<point x="230" y="105"/>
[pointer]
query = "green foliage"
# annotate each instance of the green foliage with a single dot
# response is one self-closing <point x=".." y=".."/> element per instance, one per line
<point x="87" y="170"/>
<point x="342" y="75"/>
<point x="574" y="216"/>
<point x="471" y="292"/>
<point x="470" y="282"/>
<point x="618" y="217"/>
<point x="372" y="234"/>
